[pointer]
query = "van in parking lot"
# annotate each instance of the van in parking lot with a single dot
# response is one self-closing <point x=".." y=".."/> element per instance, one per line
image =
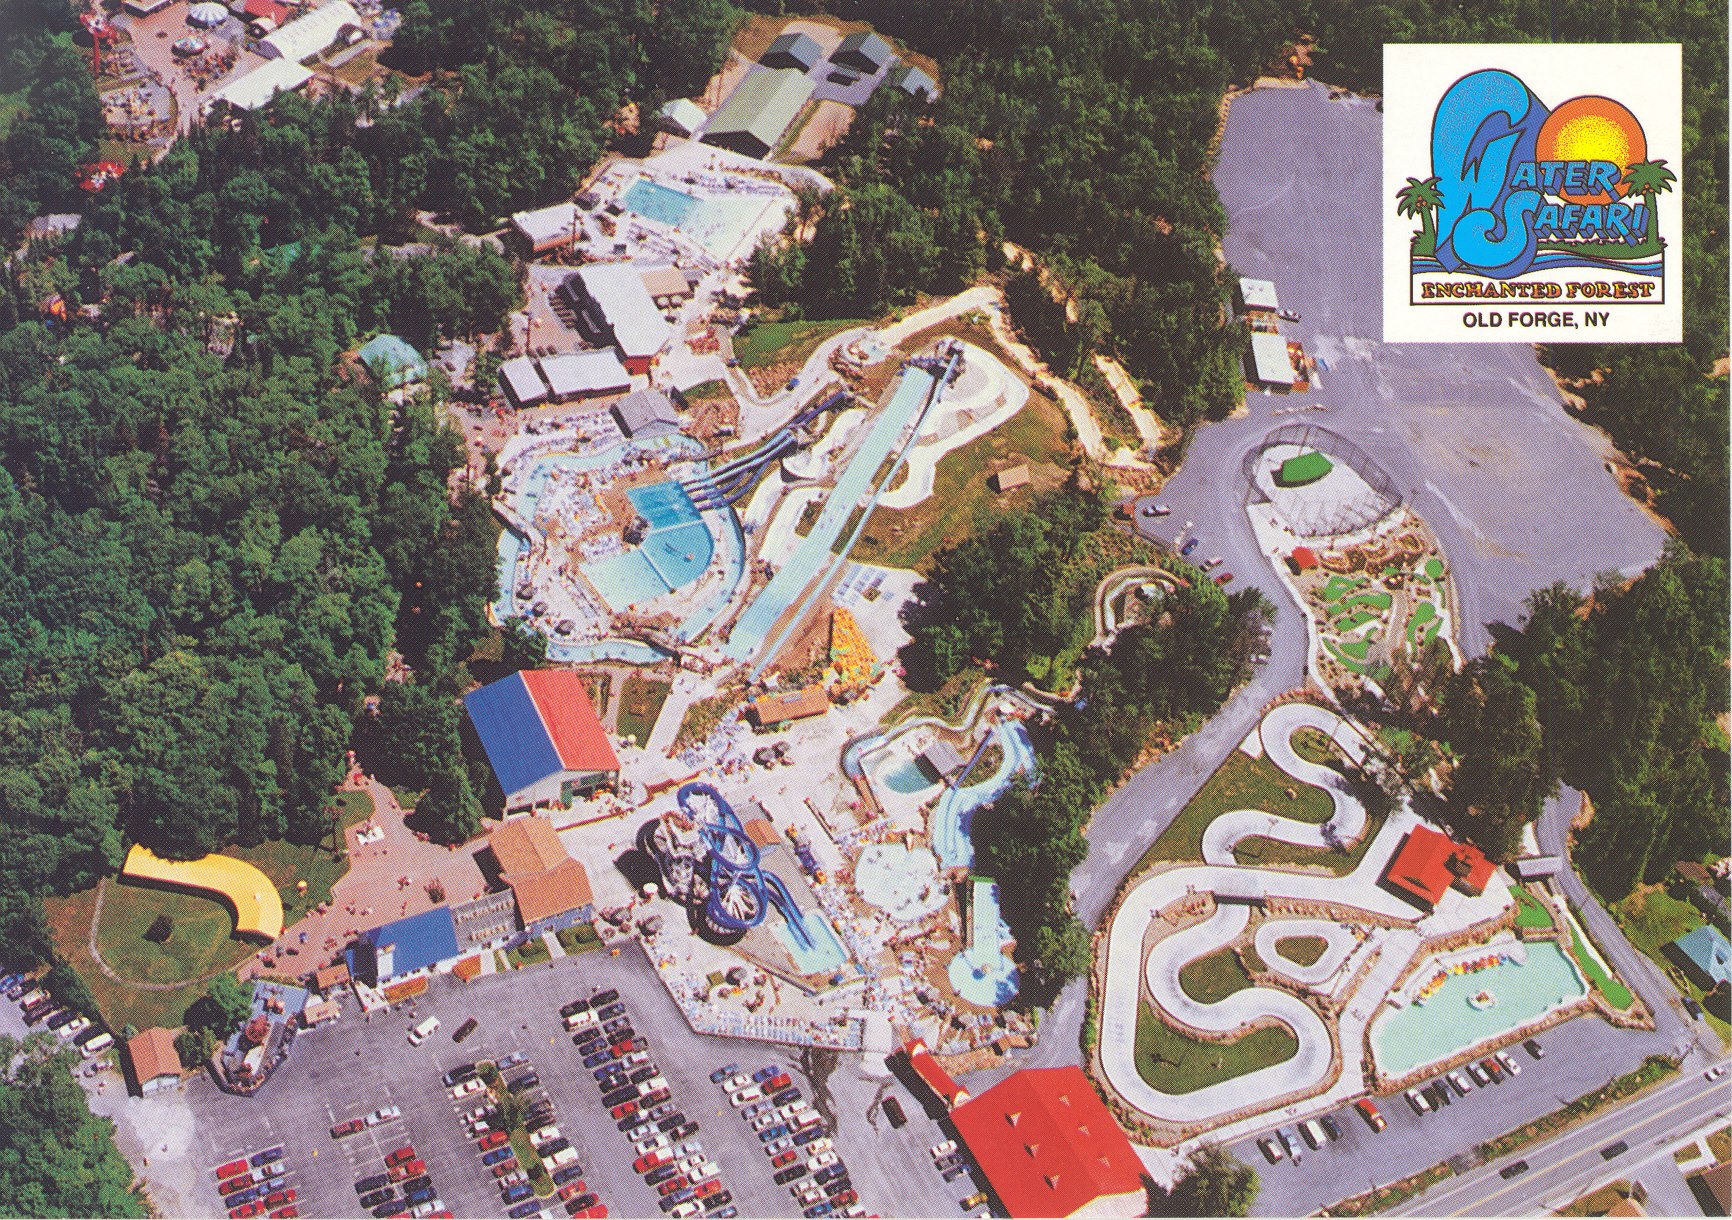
<point x="1313" y="1133"/>
<point x="423" y="1031"/>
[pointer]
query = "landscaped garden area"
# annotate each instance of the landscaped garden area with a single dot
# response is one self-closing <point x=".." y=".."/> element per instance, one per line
<point x="1241" y="782"/>
<point x="1305" y="950"/>
<point x="1175" y="1062"/>
<point x="1214" y="976"/>
<point x="1651" y="919"/>
<point x="640" y="703"/>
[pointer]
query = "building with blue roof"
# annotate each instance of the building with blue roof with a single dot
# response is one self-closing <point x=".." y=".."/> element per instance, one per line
<point x="542" y="736"/>
<point x="404" y="948"/>
<point x="1705" y="955"/>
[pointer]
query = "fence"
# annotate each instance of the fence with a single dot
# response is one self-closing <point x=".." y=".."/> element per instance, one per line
<point x="1310" y="513"/>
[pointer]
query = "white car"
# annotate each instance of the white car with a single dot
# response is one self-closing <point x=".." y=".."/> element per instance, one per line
<point x="704" y="1172"/>
<point x="687" y="1164"/>
<point x="562" y="1158"/>
<point x="792" y="1110"/>
<point x="74" y="1027"/>
<point x="822" y="1161"/>
<point x="1509" y="1064"/>
<point x="653" y="1143"/>
<point x="736" y="1082"/>
<point x="383" y="1114"/>
<point x="423" y="1030"/>
<point x="636" y="1059"/>
<point x="684" y="1210"/>
<point x="1715" y="1072"/>
<point x="767" y="1119"/>
<point x="778" y="1145"/>
<point x="808" y="1193"/>
<point x="822" y="1144"/>
<point x="275" y="1169"/>
<point x="747" y="1096"/>
<point x="506" y="1181"/>
<point x="472" y="1085"/>
<point x="546" y="1134"/>
<point x="426" y="1209"/>
<point x="939" y="1151"/>
<point x="1420" y="1103"/>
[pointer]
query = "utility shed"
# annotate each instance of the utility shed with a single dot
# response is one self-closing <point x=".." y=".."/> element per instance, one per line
<point x="759" y="111"/>
<point x="793" y="50"/>
<point x="913" y="82"/>
<point x="682" y="116"/>
<point x="864" y="52"/>
<point x="1257" y="296"/>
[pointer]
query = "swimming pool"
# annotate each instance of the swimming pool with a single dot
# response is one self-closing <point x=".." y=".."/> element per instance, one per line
<point x="626" y="579"/>
<point x="905" y="777"/>
<point x="1446" y="1022"/>
<point x="679" y="555"/>
<point x="981" y="973"/>
<point x="658" y="202"/>
<point x="663" y="505"/>
<point x="826" y="952"/>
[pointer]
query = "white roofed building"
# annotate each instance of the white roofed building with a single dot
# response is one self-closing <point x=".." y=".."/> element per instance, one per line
<point x="1258" y="295"/>
<point x="617" y="309"/>
<point x="259" y="86"/>
<point x="682" y="116"/>
<point x="522" y="383"/>
<point x="546" y="229"/>
<point x="584" y="375"/>
<point x="1270" y="363"/>
<point x="307" y="36"/>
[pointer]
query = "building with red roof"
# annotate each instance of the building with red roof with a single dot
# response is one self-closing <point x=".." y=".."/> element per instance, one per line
<point x="1049" y="1147"/>
<point x="542" y="736"/>
<point x="1430" y="863"/>
<point x="1304" y="559"/>
<point x="942" y="1084"/>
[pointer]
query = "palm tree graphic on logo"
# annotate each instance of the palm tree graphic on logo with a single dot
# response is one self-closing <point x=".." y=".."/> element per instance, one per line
<point x="1647" y="179"/>
<point x="1422" y="199"/>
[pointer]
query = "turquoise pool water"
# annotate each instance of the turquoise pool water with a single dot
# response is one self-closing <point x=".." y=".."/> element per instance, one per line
<point x="981" y="973"/>
<point x="953" y="820"/>
<point x="905" y="777"/>
<point x="826" y="952"/>
<point x="625" y="580"/>
<point x="1406" y="1038"/>
<point x="679" y="555"/>
<point x="658" y="202"/>
<point x="663" y="505"/>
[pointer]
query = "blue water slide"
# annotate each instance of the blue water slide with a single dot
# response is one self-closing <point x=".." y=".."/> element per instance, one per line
<point x="740" y="891"/>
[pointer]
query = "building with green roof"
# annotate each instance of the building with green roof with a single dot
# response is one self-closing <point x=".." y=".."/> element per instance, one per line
<point x="1303" y="469"/>
<point x="759" y="111"/>
<point x="393" y="362"/>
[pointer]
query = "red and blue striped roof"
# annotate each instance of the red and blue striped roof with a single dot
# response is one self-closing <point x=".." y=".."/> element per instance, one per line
<point x="538" y="723"/>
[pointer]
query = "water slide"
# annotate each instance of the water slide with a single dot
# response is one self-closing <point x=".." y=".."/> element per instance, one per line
<point x="740" y="891"/>
<point x="727" y="483"/>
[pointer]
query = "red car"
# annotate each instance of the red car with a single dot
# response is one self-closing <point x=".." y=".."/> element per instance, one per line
<point x="347" y="1127"/>
<point x="776" y="1083"/>
<point x="1224" y="578"/>
<point x="233" y="1184"/>
<point x="279" y="1197"/>
<point x="232" y="1168"/>
<point x="624" y="1108"/>
<point x="783" y="1159"/>
<point x="598" y="1212"/>
<point x="626" y="1046"/>
<point x="843" y="1198"/>
<point x="1368" y="1110"/>
<point x="285" y="1213"/>
<point x="655" y="1098"/>
<point x="246" y="1209"/>
<point x="677" y="1182"/>
<point x="570" y="1191"/>
<point x="405" y="1153"/>
<point x="704" y="1190"/>
<point x="508" y="1165"/>
<point x="650" y="1160"/>
<point x="491" y="1140"/>
<point x="408" y="1169"/>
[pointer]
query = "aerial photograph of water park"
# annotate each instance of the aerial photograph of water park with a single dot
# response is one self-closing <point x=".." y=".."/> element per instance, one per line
<point x="866" y="579"/>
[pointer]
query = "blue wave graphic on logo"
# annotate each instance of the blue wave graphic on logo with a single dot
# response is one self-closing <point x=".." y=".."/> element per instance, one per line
<point x="1486" y="122"/>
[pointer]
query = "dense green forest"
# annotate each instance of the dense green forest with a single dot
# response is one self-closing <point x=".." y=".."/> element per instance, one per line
<point x="56" y="1157"/>
<point x="1019" y="594"/>
<point x="1616" y="694"/>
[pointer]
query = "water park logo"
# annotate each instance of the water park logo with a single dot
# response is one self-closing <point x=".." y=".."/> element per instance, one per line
<point x="1524" y="203"/>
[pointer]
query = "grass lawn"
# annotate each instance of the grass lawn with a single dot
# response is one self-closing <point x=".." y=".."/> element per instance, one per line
<point x="1434" y="568"/>
<point x="1377" y="600"/>
<point x="1213" y="977"/>
<point x="124" y="919"/>
<point x="1174" y="1063"/>
<point x="1597" y="1202"/>
<point x="640" y="702"/>
<point x="961" y="503"/>
<point x="579" y="938"/>
<point x="1339" y="586"/>
<point x="1652" y="918"/>
<point x="1265" y="852"/>
<point x="287" y="863"/>
<point x="1617" y="995"/>
<point x="709" y="391"/>
<point x="1302" y="949"/>
<point x="1242" y="782"/>
<point x="1316" y="746"/>
<point x="532" y="952"/>
<point x="1531" y="912"/>
<point x="786" y="342"/>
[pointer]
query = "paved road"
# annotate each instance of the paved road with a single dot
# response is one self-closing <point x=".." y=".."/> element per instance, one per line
<point x="1476" y="438"/>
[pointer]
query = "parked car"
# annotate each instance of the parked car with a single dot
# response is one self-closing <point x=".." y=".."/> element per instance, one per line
<point x="371" y="1182"/>
<point x="231" y="1169"/>
<point x="1330" y="1126"/>
<point x="458" y="1075"/>
<point x="402" y="1156"/>
<point x="1271" y="1150"/>
<point x="1369" y="1112"/>
<point x="596" y="1058"/>
<point x="1420" y="1104"/>
<point x="1534" y="1048"/>
<point x="792" y="1173"/>
<point x="1478" y="1074"/>
<point x="567" y="1173"/>
<point x="422" y="1030"/>
<point x="1191" y="544"/>
<point x="496" y="1156"/>
<point x="383" y="1114"/>
<point x="620" y="1096"/>
<point x="1459" y="1083"/>
<point x="749" y="1094"/>
<point x="722" y="1073"/>
<point x="516" y="1192"/>
<point x="973" y="1201"/>
<point x="787" y="1097"/>
<point x="1491" y="1067"/>
<point x="810" y="1135"/>
<point x="492" y="1140"/>
<point x="1509" y="1063"/>
<point x="469" y="1026"/>
<point x="512" y="1060"/>
<point x="1157" y="510"/>
<point x="373" y="1198"/>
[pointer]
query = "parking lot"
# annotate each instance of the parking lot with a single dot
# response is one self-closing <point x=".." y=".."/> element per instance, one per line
<point x="354" y="1066"/>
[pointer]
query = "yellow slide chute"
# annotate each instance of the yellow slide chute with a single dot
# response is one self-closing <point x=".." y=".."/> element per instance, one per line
<point x="257" y="905"/>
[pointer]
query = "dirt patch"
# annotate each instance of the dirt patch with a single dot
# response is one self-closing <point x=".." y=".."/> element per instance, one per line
<point x="827" y="125"/>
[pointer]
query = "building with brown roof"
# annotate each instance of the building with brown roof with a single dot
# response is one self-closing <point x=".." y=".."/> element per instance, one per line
<point x="327" y="979"/>
<point x="781" y="706"/>
<point x="550" y="888"/>
<point x="153" y="1061"/>
<point x="1011" y="477"/>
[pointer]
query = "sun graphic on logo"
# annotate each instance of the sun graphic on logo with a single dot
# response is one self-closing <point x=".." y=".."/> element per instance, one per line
<point x="1592" y="129"/>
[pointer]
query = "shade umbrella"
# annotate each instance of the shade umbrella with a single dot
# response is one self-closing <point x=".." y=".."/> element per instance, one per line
<point x="207" y="15"/>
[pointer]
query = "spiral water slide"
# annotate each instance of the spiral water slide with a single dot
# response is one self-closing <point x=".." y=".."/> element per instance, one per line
<point x="740" y="890"/>
<point x="726" y="484"/>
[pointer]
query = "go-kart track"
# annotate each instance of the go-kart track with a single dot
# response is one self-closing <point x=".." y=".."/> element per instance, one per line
<point x="1237" y="889"/>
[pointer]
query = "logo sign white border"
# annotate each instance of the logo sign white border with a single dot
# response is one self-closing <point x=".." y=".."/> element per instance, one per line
<point x="1645" y="77"/>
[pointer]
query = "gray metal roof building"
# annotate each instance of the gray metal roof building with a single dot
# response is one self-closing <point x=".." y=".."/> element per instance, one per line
<point x="759" y="111"/>
<point x="864" y="52"/>
<point x="793" y="51"/>
<point x="912" y="81"/>
<point x="646" y="413"/>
